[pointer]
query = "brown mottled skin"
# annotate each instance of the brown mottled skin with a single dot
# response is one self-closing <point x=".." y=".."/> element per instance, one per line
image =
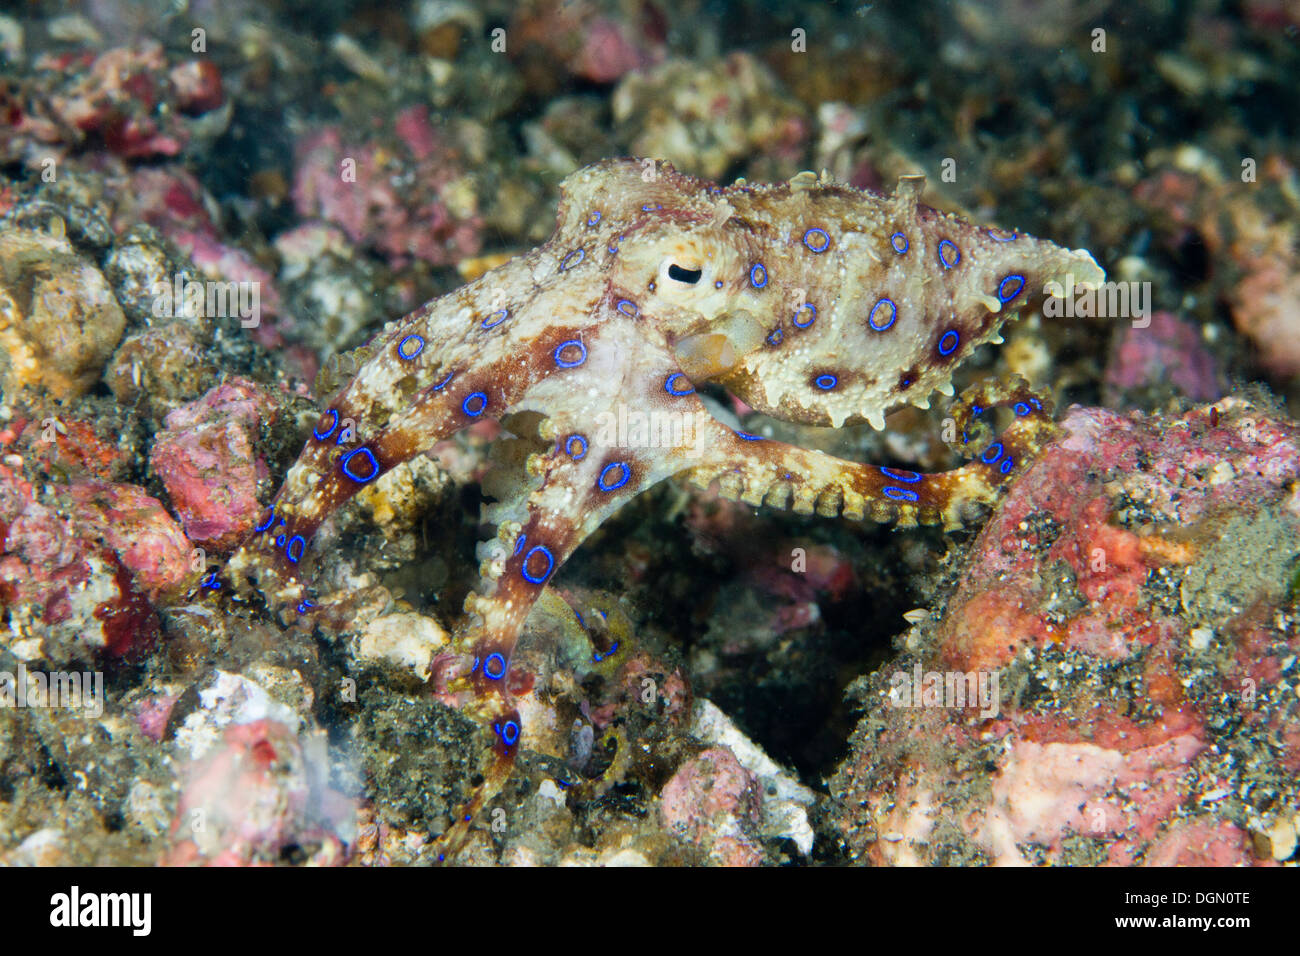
<point x="811" y="301"/>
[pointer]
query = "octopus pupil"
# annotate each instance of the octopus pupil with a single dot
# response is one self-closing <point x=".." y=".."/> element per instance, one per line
<point x="689" y="276"/>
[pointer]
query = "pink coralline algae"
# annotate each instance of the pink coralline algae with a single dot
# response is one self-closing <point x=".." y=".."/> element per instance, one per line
<point x="713" y="801"/>
<point x="591" y="40"/>
<point x="171" y="200"/>
<point x="1126" y="624"/>
<point x="405" y="194"/>
<point x="80" y="575"/>
<point x="261" y="790"/>
<point x="1167" y="353"/>
<point x="72" y="448"/>
<point x="207" y="460"/>
<point x="127" y="98"/>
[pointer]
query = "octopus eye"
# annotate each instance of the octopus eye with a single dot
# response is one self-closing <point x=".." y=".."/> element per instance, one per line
<point x="688" y="276"/>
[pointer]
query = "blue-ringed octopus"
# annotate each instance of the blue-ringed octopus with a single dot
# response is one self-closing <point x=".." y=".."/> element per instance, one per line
<point x="810" y="301"/>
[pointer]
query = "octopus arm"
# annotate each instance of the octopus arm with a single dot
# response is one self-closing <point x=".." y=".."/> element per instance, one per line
<point x="759" y="471"/>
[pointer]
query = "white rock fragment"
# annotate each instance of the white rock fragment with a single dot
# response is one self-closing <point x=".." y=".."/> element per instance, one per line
<point x="230" y="699"/>
<point x="405" y="639"/>
<point x="1281" y="839"/>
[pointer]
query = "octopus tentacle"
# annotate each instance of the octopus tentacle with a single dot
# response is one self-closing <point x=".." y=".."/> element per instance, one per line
<point x="763" y="472"/>
<point x="556" y="498"/>
<point x="353" y="444"/>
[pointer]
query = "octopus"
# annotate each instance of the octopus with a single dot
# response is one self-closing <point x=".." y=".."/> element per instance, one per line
<point x="810" y="301"/>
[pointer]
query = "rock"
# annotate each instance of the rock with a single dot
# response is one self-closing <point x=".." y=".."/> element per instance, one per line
<point x="59" y="321"/>
<point x="80" y="576"/>
<point x="405" y="640"/>
<point x="206" y="458"/>
<point x="1126" y="618"/>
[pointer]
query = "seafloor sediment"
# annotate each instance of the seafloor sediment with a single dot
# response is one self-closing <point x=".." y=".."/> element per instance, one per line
<point x="1129" y="611"/>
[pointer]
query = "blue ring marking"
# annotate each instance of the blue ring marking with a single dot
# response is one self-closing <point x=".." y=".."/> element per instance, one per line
<point x="758" y="275"/>
<point x="566" y="265"/>
<point x="717" y="284"/>
<point x="550" y="564"/>
<point x="628" y="308"/>
<point x="894" y="242"/>
<point x="1007" y="466"/>
<point x="519" y="545"/>
<point x="500" y="669"/>
<point x="672" y="390"/>
<point x="820" y="239"/>
<point x="996" y="454"/>
<point x="747" y="436"/>
<point x="279" y="540"/>
<point x="1036" y="403"/>
<point x="304" y="606"/>
<point x="977" y="410"/>
<point x="956" y="253"/>
<point x="288" y="548"/>
<point x="491" y="322"/>
<point x="597" y="656"/>
<point x="775" y="337"/>
<point x="993" y="234"/>
<point x="346" y="434"/>
<point x="901" y="494"/>
<point x="893" y="314"/>
<point x="826" y="381"/>
<point x="1019" y="281"/>
<point x="948" y="343"/>
<point x="605" y="485"/>
<point x="211" y="582"/>
<point x="482" y="399"/>
<point x="900" y="474"/>
<point x="270" y="520"/>
<point x="402" y="352"/>
<point x="613" y="246"/>
<point x="568" y="447"/>
<point x="346" y="465"/>
<point x="594" y="217"/>
<point x="576" y="362"/>
<point x="1022" y="409"/>
<point x="443" y="384"/>
<point x="509" y="733"/>
<point x="652" y="207"/>
<point x="812" y="312"/>
<point x="334" y="423"/>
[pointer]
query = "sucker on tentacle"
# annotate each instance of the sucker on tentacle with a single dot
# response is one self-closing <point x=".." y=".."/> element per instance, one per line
<point x="810" y="301"/>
